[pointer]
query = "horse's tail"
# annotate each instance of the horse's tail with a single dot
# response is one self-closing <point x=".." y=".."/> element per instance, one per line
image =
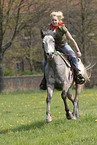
<point x="83" y="70"/>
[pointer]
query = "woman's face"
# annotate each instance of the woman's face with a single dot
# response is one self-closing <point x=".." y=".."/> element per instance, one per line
<point x="54" y="21"/>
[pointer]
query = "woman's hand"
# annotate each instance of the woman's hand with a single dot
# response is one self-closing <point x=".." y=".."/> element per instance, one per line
<point x="79" y="54"/>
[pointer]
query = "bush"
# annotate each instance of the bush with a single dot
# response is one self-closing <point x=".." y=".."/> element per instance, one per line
<point x="28" y="72"/>
<point x="8" y="72"/>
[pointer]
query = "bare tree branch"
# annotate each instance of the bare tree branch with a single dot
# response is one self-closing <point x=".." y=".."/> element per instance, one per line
<point x="7" y="15"/>
<point x="4" y="47"/>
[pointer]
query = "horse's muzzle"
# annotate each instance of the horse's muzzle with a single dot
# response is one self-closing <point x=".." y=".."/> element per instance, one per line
<point x="50" y="55"/>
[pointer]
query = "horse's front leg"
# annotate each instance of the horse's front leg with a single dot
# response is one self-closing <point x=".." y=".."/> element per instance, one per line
<point x="76" y="105"/>
<point x="48" y="101"/>
<point x="64" y="97"/>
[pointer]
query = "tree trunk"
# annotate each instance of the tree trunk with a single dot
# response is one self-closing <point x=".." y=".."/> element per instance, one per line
<point x="1" y="75"/>
<point x="83" y="19"/>
<point x="1" y="56"/>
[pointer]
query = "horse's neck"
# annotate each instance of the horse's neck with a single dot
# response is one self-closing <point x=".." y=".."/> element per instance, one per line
<point x="57" y="62"/>
<point x="62" y="59"/>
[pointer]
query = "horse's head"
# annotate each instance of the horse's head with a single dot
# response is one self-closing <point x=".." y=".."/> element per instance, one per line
<point x="49" y="44"/>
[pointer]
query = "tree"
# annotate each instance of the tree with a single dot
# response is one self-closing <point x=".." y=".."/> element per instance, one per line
<point x="14" y="16"/>
<point x="8" y="11"/>
<point x="83" y="23"/>
<point x="24" y="47"/>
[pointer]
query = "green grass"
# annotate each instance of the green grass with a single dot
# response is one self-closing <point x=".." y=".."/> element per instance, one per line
<point x="22" y="119"/>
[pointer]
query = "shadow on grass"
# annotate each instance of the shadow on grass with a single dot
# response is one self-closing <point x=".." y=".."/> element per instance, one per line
<point x="26" y="127"/>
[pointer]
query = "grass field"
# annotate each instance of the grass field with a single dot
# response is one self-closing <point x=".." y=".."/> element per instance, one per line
<point x="23" y="119"/>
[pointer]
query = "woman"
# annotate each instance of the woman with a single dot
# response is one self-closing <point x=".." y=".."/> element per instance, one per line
<point x="60" y="34"/>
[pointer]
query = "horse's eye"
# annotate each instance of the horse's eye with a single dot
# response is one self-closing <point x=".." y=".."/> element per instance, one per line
<point x="53" y="41"/>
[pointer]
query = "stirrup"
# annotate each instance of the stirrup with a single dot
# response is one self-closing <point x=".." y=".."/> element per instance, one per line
<point x="43" y="85"/>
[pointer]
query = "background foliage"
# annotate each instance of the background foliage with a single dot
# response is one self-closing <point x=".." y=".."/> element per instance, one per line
<point x="80" y="18"/>
<point x="20" y="23"/>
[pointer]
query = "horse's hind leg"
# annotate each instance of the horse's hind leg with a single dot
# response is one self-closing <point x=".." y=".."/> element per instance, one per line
<point x="64" y="97"/>
<point x="48" y="101"/>
<point x="76" y="105"/>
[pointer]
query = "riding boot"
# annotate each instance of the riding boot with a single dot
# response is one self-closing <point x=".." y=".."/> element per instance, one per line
<point x="43" y="85"/>
<point x="79" y="79"/>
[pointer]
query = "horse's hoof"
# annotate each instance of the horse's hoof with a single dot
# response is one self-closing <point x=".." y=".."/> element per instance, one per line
<point x="69" y="115"/>
<point x="48" y="119"/>
<point x="74" y="118"/>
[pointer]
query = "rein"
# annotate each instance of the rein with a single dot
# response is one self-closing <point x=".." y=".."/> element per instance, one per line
<point x="67" y="63"/>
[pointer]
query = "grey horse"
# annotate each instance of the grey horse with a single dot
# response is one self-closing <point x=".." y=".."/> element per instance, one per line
<point x="58" y="73"/>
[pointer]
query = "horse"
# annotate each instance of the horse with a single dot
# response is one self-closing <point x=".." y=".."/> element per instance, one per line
<point x="58" y="73"/>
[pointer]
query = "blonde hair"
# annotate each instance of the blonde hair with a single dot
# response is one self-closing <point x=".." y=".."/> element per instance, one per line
<point x="59" y="15"/>
<point x="53" y="14"/>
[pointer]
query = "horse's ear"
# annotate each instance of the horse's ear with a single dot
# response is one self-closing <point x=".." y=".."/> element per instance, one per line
<point x="42" y="33"/>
